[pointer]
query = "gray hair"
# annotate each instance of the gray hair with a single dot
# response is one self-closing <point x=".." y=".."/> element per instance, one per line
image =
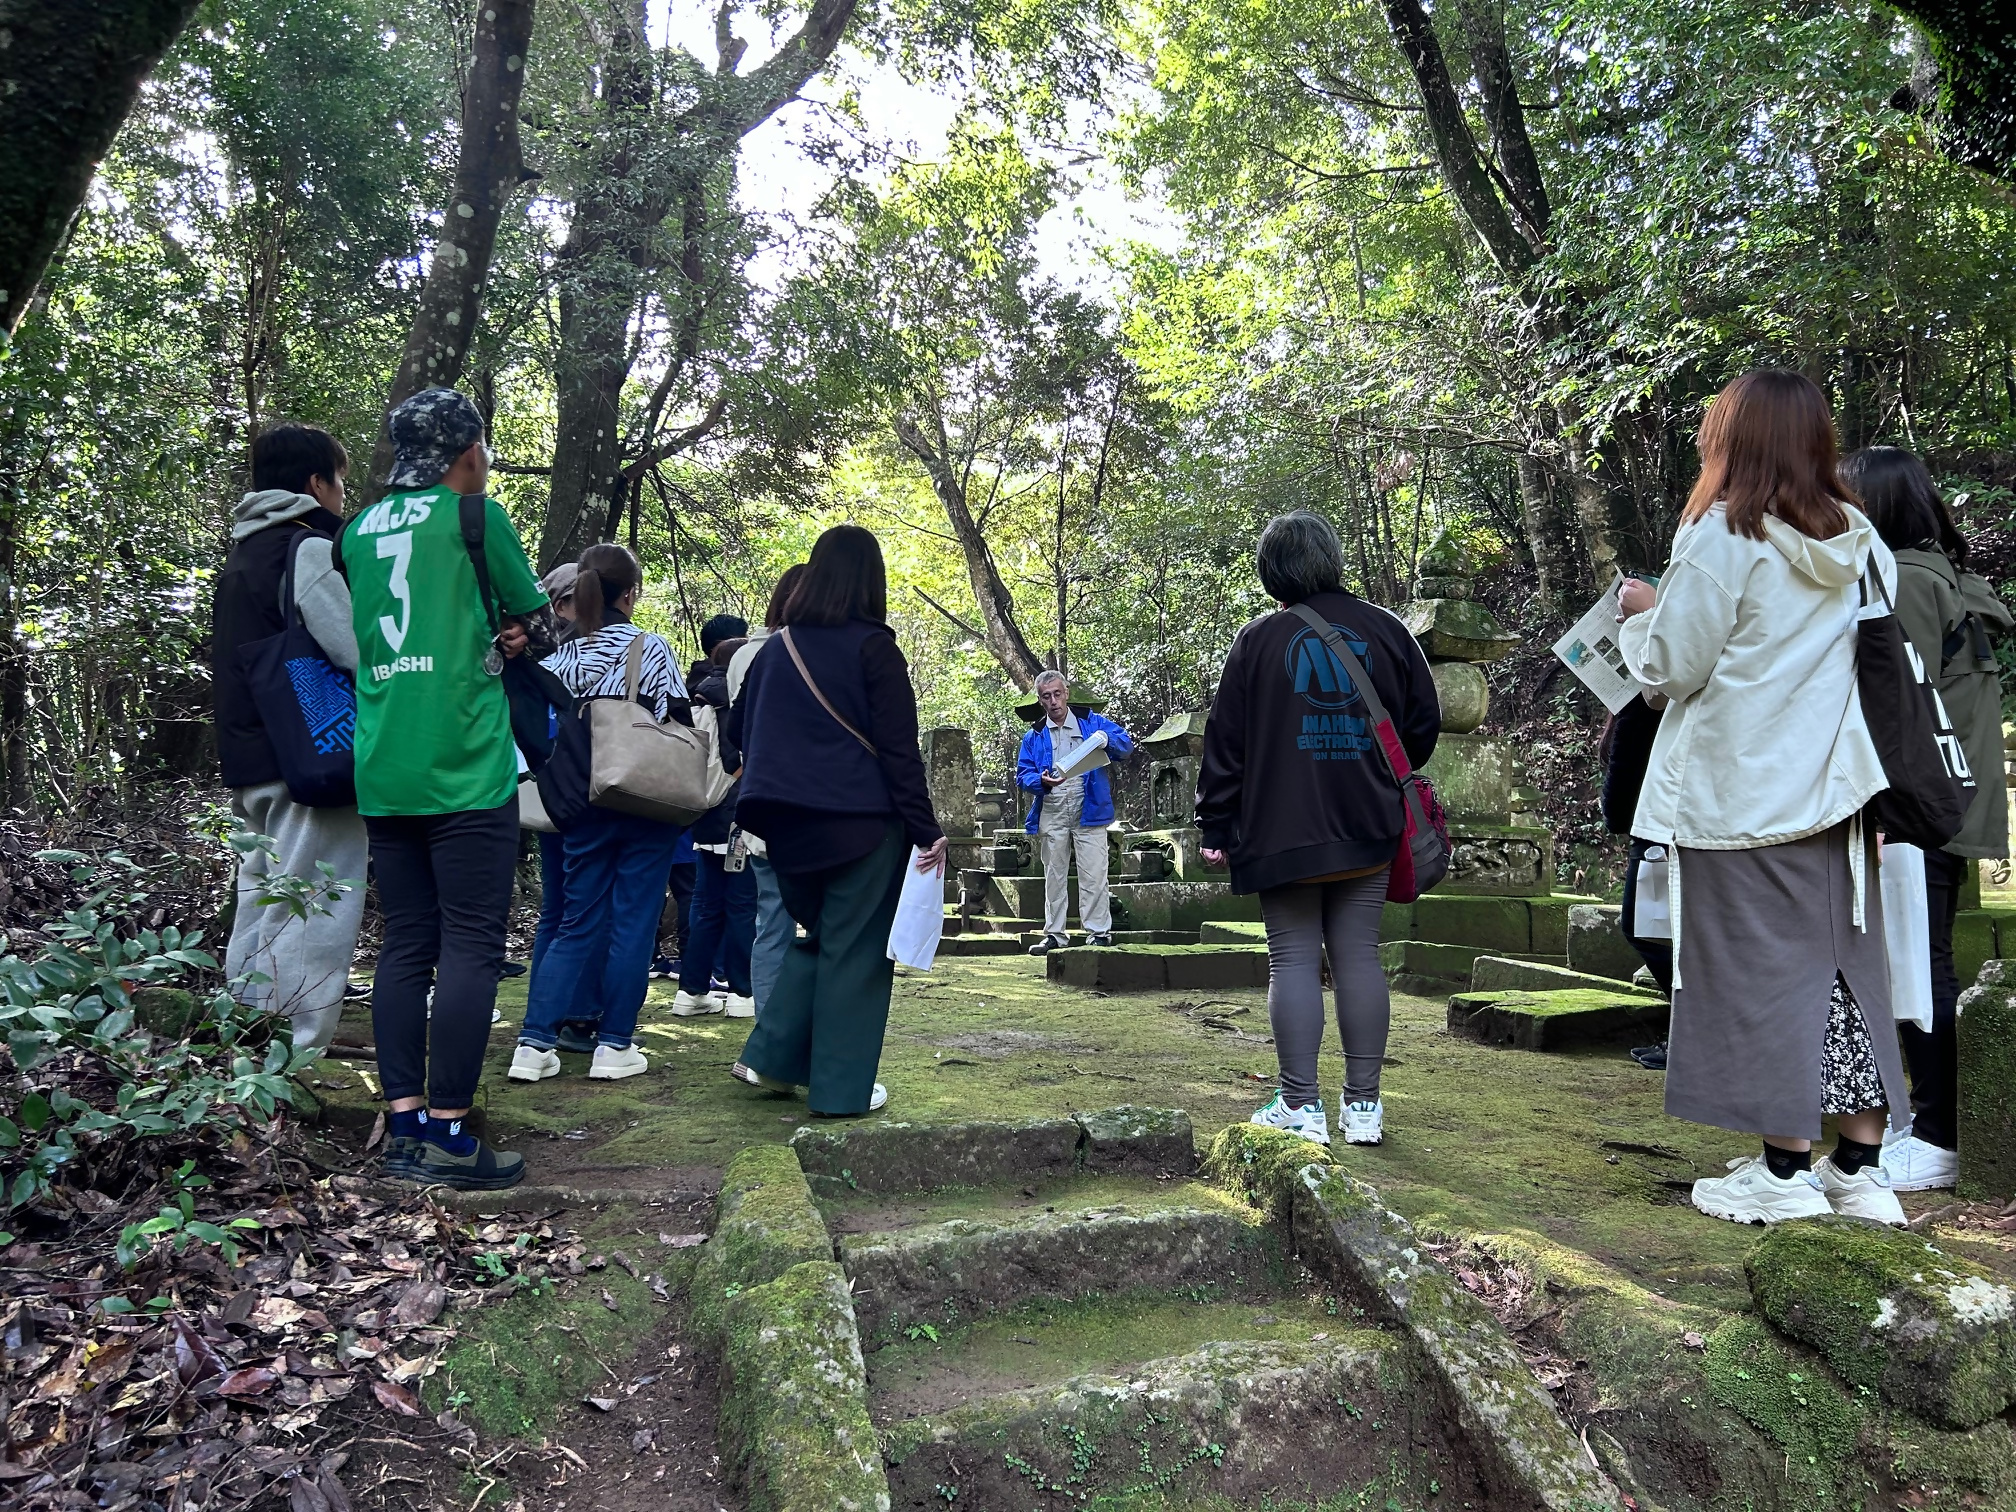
<point x="1048" y="676"/>
<point x="1299" y="555"/>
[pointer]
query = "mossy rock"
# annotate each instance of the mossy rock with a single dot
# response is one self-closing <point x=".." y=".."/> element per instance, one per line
<point x="765" y="1222"/>
<point x="1935" y="1334"/>
<point x="170" y="1012"/>
<point x="795" y="1432"/>
<point x="1980" y="1461"/>
<point x="1262" y="1166"/>
<point x="1815" y="1423"/>
<point x="1987" y="1069"/>
<point x="1153" y="1141"/>
<point x="893" y="1156"/>
<point x="1557" y="1020"/>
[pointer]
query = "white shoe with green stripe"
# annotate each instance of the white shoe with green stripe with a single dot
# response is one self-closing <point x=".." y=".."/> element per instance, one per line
<point x="1309" y="1121"/>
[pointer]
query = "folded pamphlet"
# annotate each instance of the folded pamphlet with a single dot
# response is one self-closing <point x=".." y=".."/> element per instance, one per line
<point x="1590" y="650"/>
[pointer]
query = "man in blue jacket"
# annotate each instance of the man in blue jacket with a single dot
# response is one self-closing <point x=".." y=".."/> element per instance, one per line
<point x="1069" y="813"/>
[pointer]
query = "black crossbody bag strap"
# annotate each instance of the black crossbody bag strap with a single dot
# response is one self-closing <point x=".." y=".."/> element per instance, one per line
<point x="471" y="507"/>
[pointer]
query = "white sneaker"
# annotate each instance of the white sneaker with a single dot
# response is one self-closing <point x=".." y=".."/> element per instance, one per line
<point x="496" y="1015"/>
<point x="695" y="1005"/>
<point x="1308" y="1121"/>
<point x="738" y="1006"/>
<point x="1751" y="1194"/>
<point x="1915" y="1166"/>
<point x="614" y="1065"/>
<point x="750" y="1078"/>
<point x="878" y="1099"/>
<point x="1364" y="1122"/>
<point x="1866" y="1194"/>
<point x="530" y="1063"/>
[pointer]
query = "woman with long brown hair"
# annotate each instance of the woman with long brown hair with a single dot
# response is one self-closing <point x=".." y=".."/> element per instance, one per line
<point x="1758" y="775"/>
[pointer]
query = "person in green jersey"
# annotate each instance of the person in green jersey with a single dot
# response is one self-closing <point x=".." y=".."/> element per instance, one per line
<point x="437" y="779"/>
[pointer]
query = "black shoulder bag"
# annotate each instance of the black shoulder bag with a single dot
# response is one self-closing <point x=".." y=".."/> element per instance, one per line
<point x="1930" y="787"/>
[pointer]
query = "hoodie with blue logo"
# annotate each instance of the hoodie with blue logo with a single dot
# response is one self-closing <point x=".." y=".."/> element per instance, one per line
<point x="1291" y="783"/>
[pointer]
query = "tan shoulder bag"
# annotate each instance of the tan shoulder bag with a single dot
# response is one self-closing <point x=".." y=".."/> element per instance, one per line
<point x="639" y="766"/>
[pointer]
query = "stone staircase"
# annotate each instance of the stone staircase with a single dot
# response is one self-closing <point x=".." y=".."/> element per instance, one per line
<point x="1048" y="1312"/>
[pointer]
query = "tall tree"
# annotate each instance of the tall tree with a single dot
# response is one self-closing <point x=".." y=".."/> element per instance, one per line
<point x="68" y="77"/>
<point x="490" y="169"/>
<point x="1974" y="101"/>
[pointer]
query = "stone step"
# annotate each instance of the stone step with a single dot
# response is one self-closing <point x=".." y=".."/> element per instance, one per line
<point x="1250" y="1421"/>
<point x="1492" y="973"/>
<point x="1120" y="936"/>
<point x="980" y="945"/>
<point x="939" y="1274"/>
<point x="1427" y="969"/>
<point x="1559" y="1020"/>
<point x="845" y="1160"/>
<point x="1160" y="968"/>
<point x="1232" y="932"/>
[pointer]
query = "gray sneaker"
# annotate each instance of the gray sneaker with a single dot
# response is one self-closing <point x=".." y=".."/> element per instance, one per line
<point x="481" y="1170"/>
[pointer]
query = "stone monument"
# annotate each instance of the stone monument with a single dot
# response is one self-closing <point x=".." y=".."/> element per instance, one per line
<point x="948" y="772"/>
<point x="1498" y="848"/>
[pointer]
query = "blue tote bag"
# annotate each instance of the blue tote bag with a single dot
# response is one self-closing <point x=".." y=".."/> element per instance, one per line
<point x="309" y="706"/>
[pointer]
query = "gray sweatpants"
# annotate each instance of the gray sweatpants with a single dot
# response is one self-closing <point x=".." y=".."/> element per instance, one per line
<point x="306" y="961"/>
<point x="1301" y="919"/>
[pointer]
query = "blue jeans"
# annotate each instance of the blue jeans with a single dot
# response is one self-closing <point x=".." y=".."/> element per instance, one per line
<point x="775" y="930"/>
<point x="723" y="921"/>
<point x="616" y="870"/>
<point x="552" y="904"/>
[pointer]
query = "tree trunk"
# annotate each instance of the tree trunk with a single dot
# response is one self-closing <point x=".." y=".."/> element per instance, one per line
<point x="1546" y="532"/>
<point x="69" y="74"/>
<point x="1005" y="641"/>
<point x="489" y="171"/>
<point x="1975" y="107"/>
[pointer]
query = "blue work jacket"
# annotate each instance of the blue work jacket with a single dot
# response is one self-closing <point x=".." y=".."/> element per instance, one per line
<point x="1035" y="759"/>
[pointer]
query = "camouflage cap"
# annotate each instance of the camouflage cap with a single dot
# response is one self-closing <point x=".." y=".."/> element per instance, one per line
<point x="429" y="431"/>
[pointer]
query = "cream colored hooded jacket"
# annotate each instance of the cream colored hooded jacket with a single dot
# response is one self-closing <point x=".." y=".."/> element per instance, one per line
<point x="1754" y="643"/>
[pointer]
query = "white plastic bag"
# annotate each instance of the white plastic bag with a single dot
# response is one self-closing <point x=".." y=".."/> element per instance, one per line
<point x="1907" y="934"/>
<point x="920" y="917"/>
<point x="1651" y="904"/>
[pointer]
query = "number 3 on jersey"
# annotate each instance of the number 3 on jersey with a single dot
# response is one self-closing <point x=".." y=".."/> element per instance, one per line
<point x="400" y="549"/>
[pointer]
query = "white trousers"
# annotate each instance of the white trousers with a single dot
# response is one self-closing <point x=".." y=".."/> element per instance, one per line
<point x="306" y="962"/>
<point x="1060" y="834"/>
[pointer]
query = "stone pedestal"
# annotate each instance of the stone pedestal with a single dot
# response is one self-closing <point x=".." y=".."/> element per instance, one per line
<point x="1987" y="1101"/>
<point x="1173" y="753"/>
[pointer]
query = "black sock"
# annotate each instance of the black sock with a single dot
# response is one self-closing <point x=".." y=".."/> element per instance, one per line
<point x="1785" y="1164"/>
<point x="1850" y="1155"/>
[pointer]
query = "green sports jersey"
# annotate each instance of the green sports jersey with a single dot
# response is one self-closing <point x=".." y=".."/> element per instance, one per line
<point x="433" y="732"/>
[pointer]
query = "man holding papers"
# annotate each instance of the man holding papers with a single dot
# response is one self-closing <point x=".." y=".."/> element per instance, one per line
<point x="1061" y="763"/>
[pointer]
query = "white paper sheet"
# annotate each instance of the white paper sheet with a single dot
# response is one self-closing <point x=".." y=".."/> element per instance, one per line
<point x="1652" y="903"/>
<point x="920" y="917"/>
<point x="1907" y="934"/>
<point x="1590" y="650"/>
<point x="1088" y="757"/>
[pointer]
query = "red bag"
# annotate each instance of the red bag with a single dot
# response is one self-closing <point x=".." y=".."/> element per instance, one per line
<point x="1422" y="859"/>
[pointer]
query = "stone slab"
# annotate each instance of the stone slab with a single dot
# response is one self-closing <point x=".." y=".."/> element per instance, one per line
<point x="1934" y="1333"/>
<point x="1494" y="973"/>
<point x="1987" y="1102"/>
<point x="795" y="1432"/>
<point x="1524" y="1450"/>
<point x="1232" y="932"/>
<point x="885" y="1155"/>
<point x="1596" y="943"/>
<point x="1558" y="1020"/>
<point x="1491" y="924"/>
<point x="1156" y="968"/>
<point x="980" y="945"/>
<point x="1247" y="1423"/>
<point x="1145" y="1141"/>
<point x="765" y="1222"/>
<point x="947" y="1273"/>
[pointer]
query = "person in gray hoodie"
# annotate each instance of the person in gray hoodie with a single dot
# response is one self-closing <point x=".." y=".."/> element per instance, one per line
<point x="297" y="495"/>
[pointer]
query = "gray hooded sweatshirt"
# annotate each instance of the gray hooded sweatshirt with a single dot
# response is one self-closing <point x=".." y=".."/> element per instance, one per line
<point x="319" y="590"/>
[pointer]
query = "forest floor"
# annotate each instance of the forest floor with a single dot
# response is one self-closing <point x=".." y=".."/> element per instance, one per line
<point x="588" y="1394"/>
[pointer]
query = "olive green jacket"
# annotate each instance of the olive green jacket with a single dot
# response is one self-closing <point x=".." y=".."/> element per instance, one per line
<point x="1933" y="600"/>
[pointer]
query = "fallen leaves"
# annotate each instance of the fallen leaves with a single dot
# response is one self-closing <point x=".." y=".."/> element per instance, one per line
<point x="396" y="1397"/>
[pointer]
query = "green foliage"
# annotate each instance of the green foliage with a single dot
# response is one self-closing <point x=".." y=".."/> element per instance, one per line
<point x="91" y="1084"/>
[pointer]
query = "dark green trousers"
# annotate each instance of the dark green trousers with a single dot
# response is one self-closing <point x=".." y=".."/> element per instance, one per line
<point x="821" y="1027"/>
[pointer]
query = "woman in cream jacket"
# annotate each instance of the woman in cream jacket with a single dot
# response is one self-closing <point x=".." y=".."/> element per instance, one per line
<point x="1762" y="764"/>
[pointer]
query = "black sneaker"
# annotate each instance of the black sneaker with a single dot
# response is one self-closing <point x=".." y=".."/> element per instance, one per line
<point x="1651" y="1057"/>
<point x="577" y="1039"/>
<point x="515" y="968"/>
<point x="1047" y="944"/>
<point x="398" y="1158"/>
<point x="355" y="991"/>
<point x="1099" y="939"/>
<point x="481" y="1170"/>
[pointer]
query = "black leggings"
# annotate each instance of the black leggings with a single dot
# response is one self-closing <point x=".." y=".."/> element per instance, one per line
<point x="444" y="886"/>
<point x="1932" y="1054"/>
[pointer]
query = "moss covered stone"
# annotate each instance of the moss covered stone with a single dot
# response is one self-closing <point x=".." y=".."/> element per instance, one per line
<point x="795" y="1432"/>
<point x="1154" y="968"/>
<point x="1525" y="1452"/>
<point x="961" y="1269"/>
<point x="1490" y="924"/>
<point x="1152" y="1141"/>
<point x="1815" y="1424"/>
<point x="1987" y="1061"/>
<point x="765" y="1222"/>
<point x="1557" y="1020"/>
<point x="891" y="1156"/>
<point x="1596" y="943"/>
<point x="1980" y="1461"/>
<point x="1261" y="1166"/>
<point x="1935" y="1334"/>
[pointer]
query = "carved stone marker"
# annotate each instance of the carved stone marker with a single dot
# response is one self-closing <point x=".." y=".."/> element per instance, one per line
<point x="948" y="771"/>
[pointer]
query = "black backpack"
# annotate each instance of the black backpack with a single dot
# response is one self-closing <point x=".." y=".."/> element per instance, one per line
<point x="1930" y="787"/>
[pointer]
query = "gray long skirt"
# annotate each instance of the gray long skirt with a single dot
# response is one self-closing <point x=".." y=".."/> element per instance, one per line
<point x="1763" y="934"/>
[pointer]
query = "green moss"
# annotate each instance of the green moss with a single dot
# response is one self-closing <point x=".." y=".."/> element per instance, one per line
<point x="794" y="1398"/>
<point x="1261" y="1166"/>
<point x="765" y="1222"/>
<point x="1551" y="1004"/>
<point x="1987" y="1071"/>
<point x="1981" y="1460"/>
<point x="1794" y="1399"/>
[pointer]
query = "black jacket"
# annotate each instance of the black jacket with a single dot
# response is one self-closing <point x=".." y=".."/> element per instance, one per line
<point x="1626" y="753"/>
<point x="246" y="609"/>
<point x="1291" y="783"/>
<point x="809" y="789"/>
